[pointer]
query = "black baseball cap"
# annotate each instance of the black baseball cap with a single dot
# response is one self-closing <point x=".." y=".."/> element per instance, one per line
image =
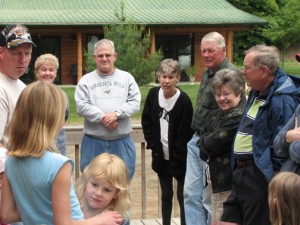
<point x="15" y="35"/>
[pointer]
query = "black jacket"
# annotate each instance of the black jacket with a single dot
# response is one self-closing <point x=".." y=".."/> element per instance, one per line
<point x="215" y="145"/>
<point x="180" y="132"/>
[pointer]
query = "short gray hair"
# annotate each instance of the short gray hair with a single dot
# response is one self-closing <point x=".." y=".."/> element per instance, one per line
<point x="169" y="66"/>
<point x="266" y="56"/>
<point x="215" y="37"/>
<point x="104" y="42"/>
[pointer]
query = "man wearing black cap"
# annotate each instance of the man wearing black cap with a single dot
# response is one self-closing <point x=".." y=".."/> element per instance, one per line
<point x="15" y="55"/>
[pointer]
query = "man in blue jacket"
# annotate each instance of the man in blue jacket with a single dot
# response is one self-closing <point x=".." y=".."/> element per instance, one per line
<point x="272" y="102"/>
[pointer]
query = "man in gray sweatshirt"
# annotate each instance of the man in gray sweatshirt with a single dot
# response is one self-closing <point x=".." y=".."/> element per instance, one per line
<point x="106" y="98"/>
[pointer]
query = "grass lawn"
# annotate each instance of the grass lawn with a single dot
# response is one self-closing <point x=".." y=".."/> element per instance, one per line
<point x="74" y="119"/>
<point x="290" y="67"/>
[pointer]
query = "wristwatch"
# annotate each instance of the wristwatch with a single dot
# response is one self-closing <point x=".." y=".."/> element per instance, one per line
<point x="118" y="114"/>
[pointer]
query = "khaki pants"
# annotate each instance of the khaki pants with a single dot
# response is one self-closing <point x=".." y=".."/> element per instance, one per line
<point x="217" y="205"/>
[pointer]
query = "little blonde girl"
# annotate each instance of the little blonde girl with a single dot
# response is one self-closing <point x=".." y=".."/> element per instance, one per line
<point x="104" y="186"/>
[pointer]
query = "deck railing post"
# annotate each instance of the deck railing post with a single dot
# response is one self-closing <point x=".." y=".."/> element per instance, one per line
<point x="77" y="165"/>
<point x="143" y="165"/>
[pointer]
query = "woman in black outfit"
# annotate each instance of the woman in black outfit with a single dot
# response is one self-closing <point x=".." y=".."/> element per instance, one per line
<point x="166" y="121"/>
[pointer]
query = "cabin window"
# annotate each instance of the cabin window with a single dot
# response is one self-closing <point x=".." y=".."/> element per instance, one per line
<point x="178" y="47"/>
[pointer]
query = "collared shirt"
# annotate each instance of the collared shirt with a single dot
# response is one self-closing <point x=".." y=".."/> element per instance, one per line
<point x="206" y="102"/>
<point x="243" y="141"/>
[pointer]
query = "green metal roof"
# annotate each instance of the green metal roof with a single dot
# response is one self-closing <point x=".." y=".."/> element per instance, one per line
<point x="149" y="12"/>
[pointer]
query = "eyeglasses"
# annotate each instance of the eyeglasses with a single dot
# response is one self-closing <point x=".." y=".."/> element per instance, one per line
<point x="246" y="68"/>
<point x="104" y="55"/>
<point x="249" y="68"/>
<point x="224" y="94"/>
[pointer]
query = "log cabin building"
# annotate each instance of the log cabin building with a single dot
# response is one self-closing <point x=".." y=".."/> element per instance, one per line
<point x="67" y="28"/>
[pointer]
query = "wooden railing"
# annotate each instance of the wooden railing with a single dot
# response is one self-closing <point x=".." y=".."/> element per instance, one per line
<point x="74" y="135"/>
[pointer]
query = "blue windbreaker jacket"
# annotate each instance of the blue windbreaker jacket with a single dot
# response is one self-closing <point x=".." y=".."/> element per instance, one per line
<point x="283" y="97"/>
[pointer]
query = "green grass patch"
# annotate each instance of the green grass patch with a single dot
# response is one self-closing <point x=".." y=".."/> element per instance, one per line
<point x="290" y="67"/>
<point x="190" y="89"/>
<point x="74" y="119"/>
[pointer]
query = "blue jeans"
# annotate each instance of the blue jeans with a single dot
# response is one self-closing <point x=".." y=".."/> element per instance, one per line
<point x="197" y="199"/>
<point x="61" y="142"/>
<point x="123" y="147"/>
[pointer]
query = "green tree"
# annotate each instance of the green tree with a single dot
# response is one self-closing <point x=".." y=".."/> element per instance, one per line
<point x="284" y="27"/>
<point x="282" y="30"/>
<point x="132" y="43"/>
<point x="90" y="64"/>
<point x="243" y="40"/>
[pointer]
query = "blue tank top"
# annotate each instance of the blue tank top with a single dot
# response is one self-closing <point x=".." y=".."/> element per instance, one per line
<point x="31" y="180"/>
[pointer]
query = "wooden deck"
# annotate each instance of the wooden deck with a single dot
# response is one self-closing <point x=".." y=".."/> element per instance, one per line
<point x="145" y="185"/>
<point x="158" y="221"/>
